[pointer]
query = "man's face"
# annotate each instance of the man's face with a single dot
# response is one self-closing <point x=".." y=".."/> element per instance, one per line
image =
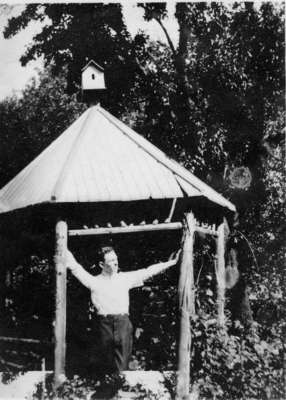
<point x="110" y="263"/>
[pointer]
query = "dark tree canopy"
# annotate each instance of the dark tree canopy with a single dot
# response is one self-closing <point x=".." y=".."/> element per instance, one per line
<point x="76" y="33"/>
<point x="29" y="124"/>
<point x="209" y="96"/>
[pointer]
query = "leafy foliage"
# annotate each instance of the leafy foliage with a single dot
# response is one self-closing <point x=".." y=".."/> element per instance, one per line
<point x="76" y="33"/>
<point x="30" y="123"/>
<point x="252" y="368"/>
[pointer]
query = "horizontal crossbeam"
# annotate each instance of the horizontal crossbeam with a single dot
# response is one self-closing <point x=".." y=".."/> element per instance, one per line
<point x="206" y="231"/>
<point x="137" y="228"/>
<point x="126" y="229"/>
<point x="23" y="340"/>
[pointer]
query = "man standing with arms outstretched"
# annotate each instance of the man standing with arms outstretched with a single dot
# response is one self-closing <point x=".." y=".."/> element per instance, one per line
<point x="110" y="296"/>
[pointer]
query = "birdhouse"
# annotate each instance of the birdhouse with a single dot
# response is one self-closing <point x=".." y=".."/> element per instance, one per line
<point x="92" y="77"/>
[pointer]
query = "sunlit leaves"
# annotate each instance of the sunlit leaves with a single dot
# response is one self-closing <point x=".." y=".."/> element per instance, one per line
<point x="154" y="10"/>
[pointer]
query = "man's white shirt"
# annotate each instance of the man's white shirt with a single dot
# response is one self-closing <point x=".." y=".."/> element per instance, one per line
<point x="110" y="293"/>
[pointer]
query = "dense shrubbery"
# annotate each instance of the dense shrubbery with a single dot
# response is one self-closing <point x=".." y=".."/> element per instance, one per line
<point x="234" y="366"/>
<point x="239" y="365"/>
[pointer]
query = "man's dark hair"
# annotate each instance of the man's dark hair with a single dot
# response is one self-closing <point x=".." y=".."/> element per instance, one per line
<point x="104" y="250"/>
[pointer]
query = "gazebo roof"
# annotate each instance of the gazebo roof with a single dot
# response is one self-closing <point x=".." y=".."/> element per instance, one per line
<point x="97" y="159"/>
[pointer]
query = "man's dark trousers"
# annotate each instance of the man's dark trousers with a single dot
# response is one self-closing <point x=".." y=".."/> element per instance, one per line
<point x="112" y="335"/>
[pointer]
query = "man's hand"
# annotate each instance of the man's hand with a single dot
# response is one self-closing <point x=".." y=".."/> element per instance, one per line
<point x="175" y="256"/>
<point x="160" y="267"/>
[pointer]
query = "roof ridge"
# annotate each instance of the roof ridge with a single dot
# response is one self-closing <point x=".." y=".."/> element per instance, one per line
<point x="201" y="182"/>
<point x="174" y="168"/>
<point x="13" y="184"/>
<point x="74" y="149"/>
<point x="92" y="62"/>
<point x="118" y="122"/>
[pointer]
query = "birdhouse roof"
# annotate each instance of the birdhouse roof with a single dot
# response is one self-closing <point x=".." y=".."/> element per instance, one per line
<point x="93" y="64"/>
<point x="98" y="159"/>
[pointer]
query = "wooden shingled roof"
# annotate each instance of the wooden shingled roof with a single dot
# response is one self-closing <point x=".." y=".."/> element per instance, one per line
<point x="97" y="159"/>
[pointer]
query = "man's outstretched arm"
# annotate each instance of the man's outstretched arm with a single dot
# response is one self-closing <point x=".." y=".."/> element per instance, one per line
<point x="160" y="267"/>
<point x="78" y="271"/>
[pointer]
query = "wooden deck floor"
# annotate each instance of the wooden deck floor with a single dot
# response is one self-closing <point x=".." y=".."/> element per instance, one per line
<point x="24" y="385"/>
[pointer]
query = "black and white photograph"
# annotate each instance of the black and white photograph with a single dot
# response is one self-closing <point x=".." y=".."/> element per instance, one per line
<point x="142" y="200"/>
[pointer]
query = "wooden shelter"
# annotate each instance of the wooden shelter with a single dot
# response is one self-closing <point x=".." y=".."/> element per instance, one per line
<point x="98" y="159"/>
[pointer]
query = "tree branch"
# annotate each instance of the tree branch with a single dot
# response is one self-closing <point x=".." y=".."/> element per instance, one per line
<point x="140" y="66"/>
<point x="167" y="36"/>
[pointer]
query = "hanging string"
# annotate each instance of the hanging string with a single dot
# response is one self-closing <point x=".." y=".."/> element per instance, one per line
<point x="199" y="274"/>
<point x="250" y="247"/>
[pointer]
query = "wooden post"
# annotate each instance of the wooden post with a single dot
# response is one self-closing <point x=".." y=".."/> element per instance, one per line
<point x="220" y="274"/>
<point x="43" y="369"/>
<point x="60" y="314"/>
<point x="187" y="308"/>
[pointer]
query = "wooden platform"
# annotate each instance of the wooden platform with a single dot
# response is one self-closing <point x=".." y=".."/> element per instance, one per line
<point x="149" y="381"/>
<point x="24" y="385"/>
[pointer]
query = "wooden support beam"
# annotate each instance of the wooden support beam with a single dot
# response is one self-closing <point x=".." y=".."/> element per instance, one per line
<point x="126" y="229"/>
<point x="172" y="210"/>
<point x="43" y="370"/>
<point x="187" y="308"/>
<point x="168" y="226"/>
<point x="220" y="274"/>
<point x="24" y="340"/>
<point x="207" y="231"/>
<point x="60" y="314"/>
<point x="138" y="228"/>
